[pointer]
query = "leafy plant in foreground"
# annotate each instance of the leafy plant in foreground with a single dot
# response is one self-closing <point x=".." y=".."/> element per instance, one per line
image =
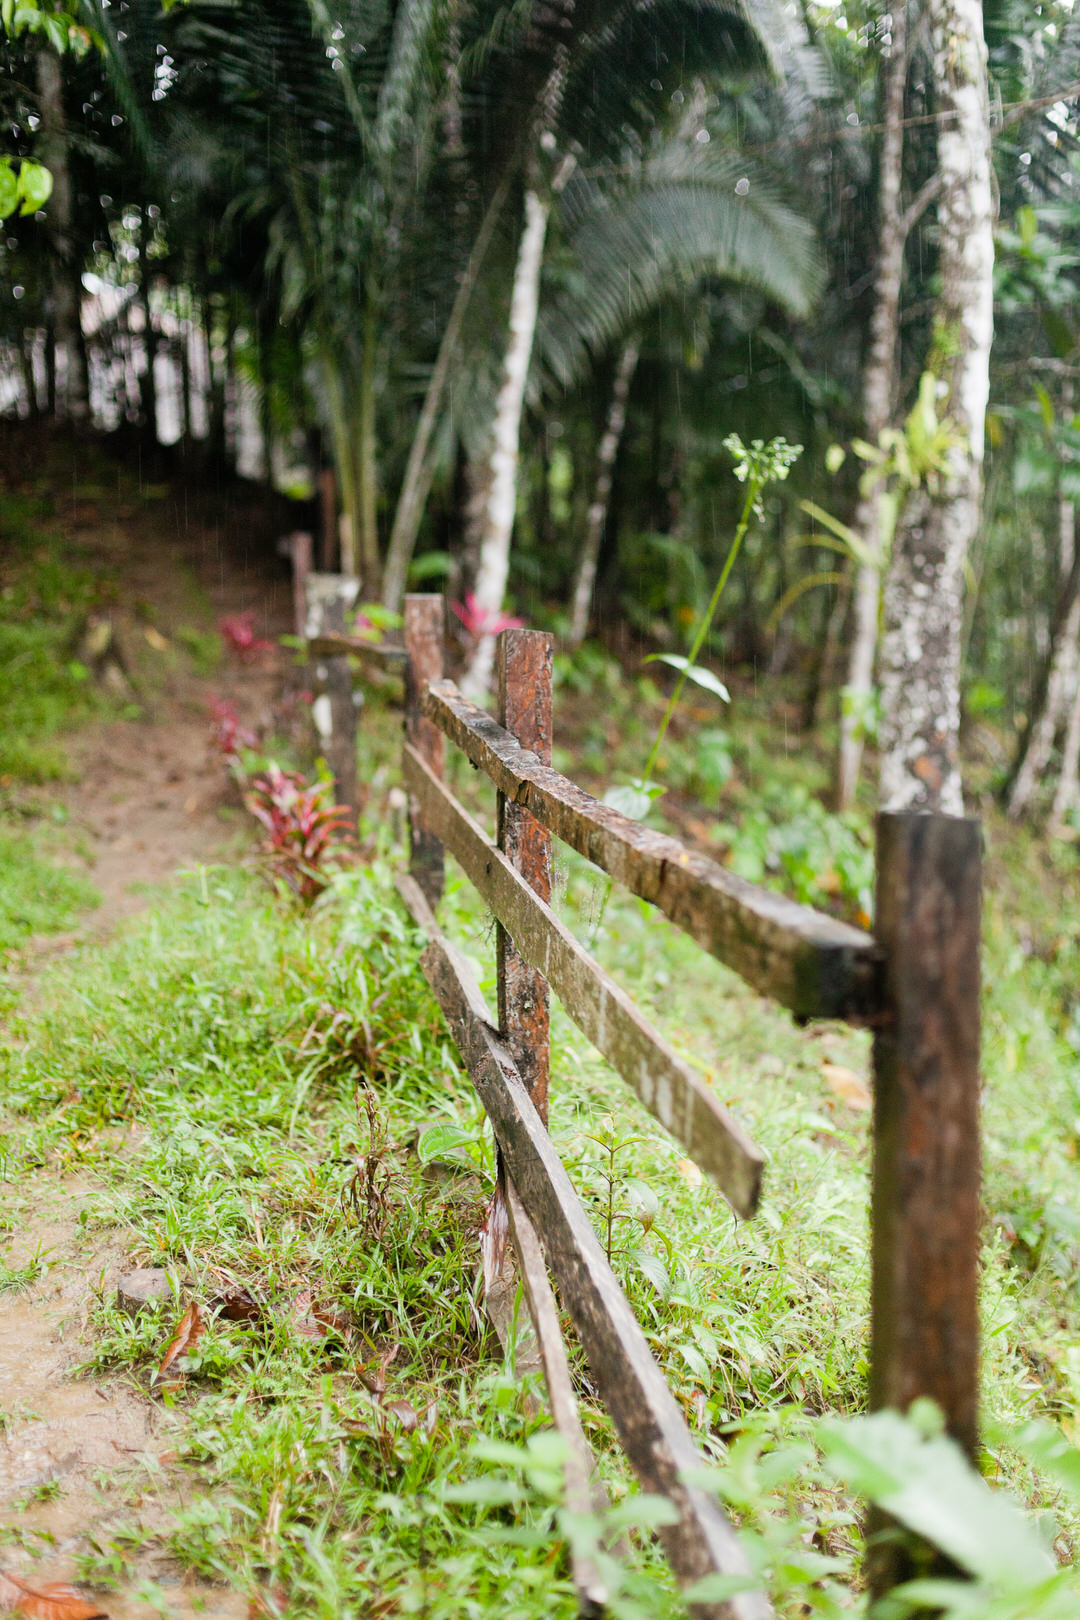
<point x="756" y="465"/>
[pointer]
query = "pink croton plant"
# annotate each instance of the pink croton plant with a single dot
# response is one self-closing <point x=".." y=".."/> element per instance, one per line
<point x="480" y="621"/>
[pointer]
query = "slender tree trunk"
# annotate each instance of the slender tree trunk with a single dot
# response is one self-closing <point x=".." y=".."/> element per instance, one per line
<point x="494" y="564"/>
<point x="920" y="655"/>
<point x="606" y="455"/>
<point x="64" y="297"/>
<point x="368" y="470"/>
<point x="416" y="484"/>
<point x="878" y="384"/>
<point x="1053" y="697"/>
<point x="147" y="380"/>
<point x="1067" y="791"/>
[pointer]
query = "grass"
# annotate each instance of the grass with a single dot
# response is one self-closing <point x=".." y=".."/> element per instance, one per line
<point x="248" y="1088"/>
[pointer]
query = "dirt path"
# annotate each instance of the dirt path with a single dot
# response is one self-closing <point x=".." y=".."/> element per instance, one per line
<point x="81" y="1458"/>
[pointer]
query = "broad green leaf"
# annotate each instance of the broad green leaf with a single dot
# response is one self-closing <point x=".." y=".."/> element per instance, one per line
<point x="694" y="672"/>
<point x="9" y="189"/>
<point x="632" y="799"/>
<point x="929" y="1486"/>
<point x="439" y="1140"/>
<point x="35" y="186"/>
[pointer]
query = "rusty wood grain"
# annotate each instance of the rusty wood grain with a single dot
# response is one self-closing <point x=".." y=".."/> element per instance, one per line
<point x="524" y="663"/>
<point x="585" y="1492"/>
<point x="926" y="1170"/>
<point x="647" y="1417"/>
<point x="668" y="1087"/>
<point x="812" y="964"/>
<point x="425" y="619"/>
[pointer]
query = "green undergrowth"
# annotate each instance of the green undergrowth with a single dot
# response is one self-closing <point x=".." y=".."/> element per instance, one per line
<point x="46" y="591"/>
<point x="37" y="896"/>
<point x="251" y="1089"/>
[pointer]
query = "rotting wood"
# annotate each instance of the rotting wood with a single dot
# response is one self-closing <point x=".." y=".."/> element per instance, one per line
<point x="604" y="1013"/>
<point x="424" y="626"/>
<point x="647" y="1418"/>
<point x="811" y="963"/>
<point x="925" y="1193"/>
<point x="585" y="1492"/>
<point x="524" y="663"/>
<point x="385" y="655"/>
<point x="300" y="555"/>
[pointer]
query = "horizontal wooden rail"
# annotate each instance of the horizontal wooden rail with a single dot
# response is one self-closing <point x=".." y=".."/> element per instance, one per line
<point x="647" y="1418"/>
<point x="811" y="963"/>
<point x="668" y="1087"/>
<point x="388" y="655"/>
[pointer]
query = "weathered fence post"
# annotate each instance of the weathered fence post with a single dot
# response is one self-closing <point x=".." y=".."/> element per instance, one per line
<point x="328" y="599"/>
<point x="925" y="1196"/>
<point x="425" y="618"/>
<point x="524" y="667"/>
<point x="300" y="545"/>
<point x="524" y="671"/>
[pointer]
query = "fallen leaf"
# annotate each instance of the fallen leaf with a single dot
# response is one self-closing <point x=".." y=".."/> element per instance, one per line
<point x="847" y="1085"/>
<point x="155" y="638"/>
<point x="689" y="1172"/>
<point x="54" y="1601"/>
<point x="237" y="1304"/>
<point x="187" y="1336"/>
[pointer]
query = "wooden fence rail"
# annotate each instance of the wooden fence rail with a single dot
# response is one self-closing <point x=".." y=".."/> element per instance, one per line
<point x="915" y="982"/>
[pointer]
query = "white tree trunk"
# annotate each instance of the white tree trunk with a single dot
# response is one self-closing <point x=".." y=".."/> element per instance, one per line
<point x="494" y="564"/>
<point x="920" y="655"/>
<point x="581" y="605"/>
<point x="1054" y="696"/>
<point x="878" y="382"/>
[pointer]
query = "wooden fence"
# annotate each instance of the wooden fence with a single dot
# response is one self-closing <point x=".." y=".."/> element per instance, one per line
<point x="914" y="983"/>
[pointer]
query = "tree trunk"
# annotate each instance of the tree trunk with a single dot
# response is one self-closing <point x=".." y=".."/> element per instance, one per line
<point x="147" y="380"/>
<point x="920" y="655"/>
<point x="1067" y="792"/>
<point x="878" y="384"/>
<point x="494" y="565"/>
<point x="368" y="470"/>
<point x="416" y="484"/>
<point x="598" y="510"/>
<point x="1053" y="697"/>
<point x="64" y="297"/>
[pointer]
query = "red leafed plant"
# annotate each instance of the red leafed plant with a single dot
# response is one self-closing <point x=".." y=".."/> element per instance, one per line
<point x="238" y="630"/>
<point x="228" y="734"/>
<point x="480" y="621"/>
<point x="303" y="829"/>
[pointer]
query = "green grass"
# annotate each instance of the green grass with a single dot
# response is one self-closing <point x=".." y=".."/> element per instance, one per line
<point x="37" y="896"/>
<point x="238" y="1078"/>
<point x="227" y="1037"/>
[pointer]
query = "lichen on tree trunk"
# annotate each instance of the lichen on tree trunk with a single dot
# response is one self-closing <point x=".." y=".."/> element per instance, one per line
<point x="920" y="657"/>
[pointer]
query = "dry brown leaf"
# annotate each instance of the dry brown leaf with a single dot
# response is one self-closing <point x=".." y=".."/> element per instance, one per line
<point x="405" y="1412"/>
<point x="187" y="1336"/>
<point x="53" y="1601"/>
<point x="847" y="1085"/>
<point x="689" y="1172"/>
<point x="156" y="639"/>
<point x="237" y="1304"/>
